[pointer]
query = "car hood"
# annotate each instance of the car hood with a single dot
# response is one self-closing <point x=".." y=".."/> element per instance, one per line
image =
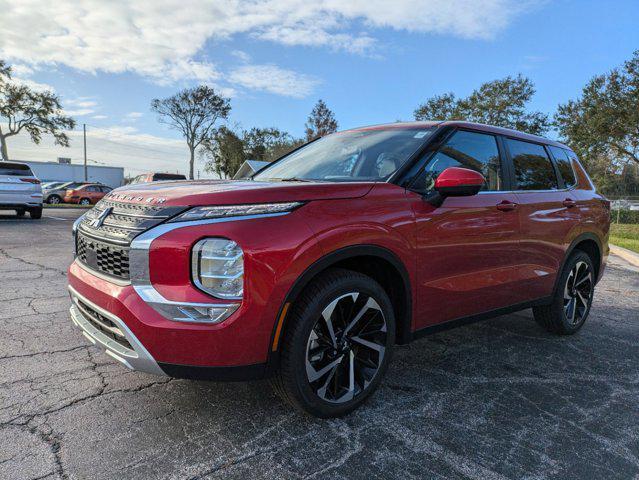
<point x="235" y="192"/>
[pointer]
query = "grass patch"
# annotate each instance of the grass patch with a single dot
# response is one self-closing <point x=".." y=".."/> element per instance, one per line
<point x="625" y="235"/>
<point x="66" y="205"/>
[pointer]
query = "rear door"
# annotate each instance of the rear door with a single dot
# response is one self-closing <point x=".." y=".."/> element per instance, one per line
<point x="467" y="247"/>
<point x="17" y="184"/>
<point x="548" y="213"/>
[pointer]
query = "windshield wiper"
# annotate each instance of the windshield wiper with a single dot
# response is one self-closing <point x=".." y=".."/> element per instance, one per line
<point x="291" y="179"/>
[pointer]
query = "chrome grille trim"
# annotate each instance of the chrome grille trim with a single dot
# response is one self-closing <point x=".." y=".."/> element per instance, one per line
<point x="109" y="236"/>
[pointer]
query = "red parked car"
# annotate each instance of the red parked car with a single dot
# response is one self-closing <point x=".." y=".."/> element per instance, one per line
<point x="313" y="271"/>
<point x="87" y="194"/>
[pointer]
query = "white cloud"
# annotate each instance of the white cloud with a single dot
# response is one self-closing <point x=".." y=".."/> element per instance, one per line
<point x="133" y="116"/>
<point x="241" y="56"/>
<point x="273" y="79"/>
<point x="99" y="117"/>
<point x="164" y="41"/>
<point x="79" y="107"/>
<point x="33" y="85"/>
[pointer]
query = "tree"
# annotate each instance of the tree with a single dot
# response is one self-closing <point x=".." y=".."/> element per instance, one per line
<point x="194" y="112"/>
<point x="500" y="102"/>
<point x="267" y="144"/>
<point x="604" y="121"/>
<point x="36" y="113"/>
<point x="320" y="122"/>
<point x="223" y="152"/>
<point x="226" y="150"/>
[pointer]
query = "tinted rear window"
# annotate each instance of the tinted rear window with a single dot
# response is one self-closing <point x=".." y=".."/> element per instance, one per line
<point x="564" y="165"/>
<point x="533" y="169"/>
<point x="14" y="169"/>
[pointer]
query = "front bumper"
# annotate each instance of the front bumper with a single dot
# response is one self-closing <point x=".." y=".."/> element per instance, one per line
<point x="119" y="322"/>
<point x="110" y="333"/>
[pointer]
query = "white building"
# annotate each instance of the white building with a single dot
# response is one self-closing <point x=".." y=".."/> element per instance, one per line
<point x="249" y="168"/>
<point x="70" y="172"/>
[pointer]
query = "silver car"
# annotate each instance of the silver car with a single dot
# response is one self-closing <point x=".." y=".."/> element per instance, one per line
<point x="20" y="190"/>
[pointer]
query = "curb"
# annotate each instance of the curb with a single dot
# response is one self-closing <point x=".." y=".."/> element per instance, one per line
<point x="628" y="255"/>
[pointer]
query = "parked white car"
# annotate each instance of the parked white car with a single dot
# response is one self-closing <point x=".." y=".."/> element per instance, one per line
<point x="20" y="190"/>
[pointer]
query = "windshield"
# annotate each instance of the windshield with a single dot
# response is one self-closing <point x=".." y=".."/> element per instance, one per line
<point x="355" y="155"/>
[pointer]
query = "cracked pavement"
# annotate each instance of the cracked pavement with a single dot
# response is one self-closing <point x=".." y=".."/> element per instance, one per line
<point x="498" y="399"/>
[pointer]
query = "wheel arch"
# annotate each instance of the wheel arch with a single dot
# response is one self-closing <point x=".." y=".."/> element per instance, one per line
<point x="377" y="262"/>
<point x="586" y="242"/>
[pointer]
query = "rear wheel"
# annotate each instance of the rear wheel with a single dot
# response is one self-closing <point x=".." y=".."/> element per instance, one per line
<point x="35" y="213"/>
<point x="571" y="303"/>
<point x="338" y="346"/>
<point x="54" y="200"/>
<point x="85" y="201"/>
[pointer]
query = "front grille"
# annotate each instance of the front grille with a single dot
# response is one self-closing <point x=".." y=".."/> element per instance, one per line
<point x="109" y="259"/>
<point x="103" y="324"/>
<point x="102" y="244"/>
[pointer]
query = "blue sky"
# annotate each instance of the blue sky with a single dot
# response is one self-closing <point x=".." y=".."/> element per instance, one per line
<point x="371" y="61"/>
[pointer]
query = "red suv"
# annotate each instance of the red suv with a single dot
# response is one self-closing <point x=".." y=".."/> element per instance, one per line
<point x="312" y="272"/>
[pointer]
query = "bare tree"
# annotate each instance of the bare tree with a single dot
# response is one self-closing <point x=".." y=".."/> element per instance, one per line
<point x="37" y="113"/>
<point x="194" y="112"/>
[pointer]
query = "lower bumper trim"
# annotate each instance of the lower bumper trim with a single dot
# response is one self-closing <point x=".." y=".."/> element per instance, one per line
<point x="222" y="374"/>
<point x="135" y="358"/>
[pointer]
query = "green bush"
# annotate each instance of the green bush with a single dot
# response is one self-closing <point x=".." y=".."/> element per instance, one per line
<point x="625" y="216"/>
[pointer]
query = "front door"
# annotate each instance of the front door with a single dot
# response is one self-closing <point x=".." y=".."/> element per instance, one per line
<point x="467" y="247"/>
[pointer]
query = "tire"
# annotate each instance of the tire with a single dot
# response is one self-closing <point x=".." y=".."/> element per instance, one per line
<point x="571" y="303"/>
<point x="54" y="200"/>
<point x="35" y="213"/>
<point x="85" y="201"/>
<point x="308" y="348"/>
<point x="20" y="213"/>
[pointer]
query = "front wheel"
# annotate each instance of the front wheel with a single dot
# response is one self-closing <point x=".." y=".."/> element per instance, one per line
<point x="85" y="201"/>
<point x="338" y="345"/>
<point x="54" y="200"/>
<point x="572" y="300"/>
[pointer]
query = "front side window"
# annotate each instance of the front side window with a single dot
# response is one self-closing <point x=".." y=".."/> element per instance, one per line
<point x="372" y="154"/>
<point x="472" y="150"/>
<point x="533" y="169"/>
<point x="564" y="165"/>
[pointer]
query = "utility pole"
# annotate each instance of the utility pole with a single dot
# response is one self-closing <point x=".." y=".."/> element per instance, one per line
<point x="86" y="173"/>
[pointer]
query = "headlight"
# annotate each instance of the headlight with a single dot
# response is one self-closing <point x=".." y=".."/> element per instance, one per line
<point x="217" y="266"/>
<point x="221" y="211"/>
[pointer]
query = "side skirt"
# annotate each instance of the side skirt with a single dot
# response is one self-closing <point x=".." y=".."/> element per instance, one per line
<point x="460" y="322"/>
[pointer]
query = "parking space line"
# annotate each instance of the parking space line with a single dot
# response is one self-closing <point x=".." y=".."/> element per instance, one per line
<point x="56" y="218"/>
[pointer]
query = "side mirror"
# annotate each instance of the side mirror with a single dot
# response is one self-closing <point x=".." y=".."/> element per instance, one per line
<point x="456" y="182"/>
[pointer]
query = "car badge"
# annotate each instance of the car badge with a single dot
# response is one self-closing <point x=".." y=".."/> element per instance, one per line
<point x="99" y="220"/>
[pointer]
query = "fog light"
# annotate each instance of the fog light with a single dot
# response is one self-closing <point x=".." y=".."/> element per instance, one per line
<point x="196" y="314"/>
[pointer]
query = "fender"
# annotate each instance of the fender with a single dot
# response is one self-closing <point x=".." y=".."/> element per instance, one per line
<point x="580" y="238"/>
<point x="331" y="259"/>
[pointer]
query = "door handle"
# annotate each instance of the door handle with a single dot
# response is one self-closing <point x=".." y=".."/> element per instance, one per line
<point x="506" y="206"/>
<point x="569" y="203"/>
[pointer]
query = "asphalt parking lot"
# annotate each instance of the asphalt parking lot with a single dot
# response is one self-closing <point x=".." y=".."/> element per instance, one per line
<point x="499" y="399"/>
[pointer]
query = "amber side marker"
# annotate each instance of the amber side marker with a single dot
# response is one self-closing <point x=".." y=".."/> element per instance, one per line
<point x="278" y="330"/>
